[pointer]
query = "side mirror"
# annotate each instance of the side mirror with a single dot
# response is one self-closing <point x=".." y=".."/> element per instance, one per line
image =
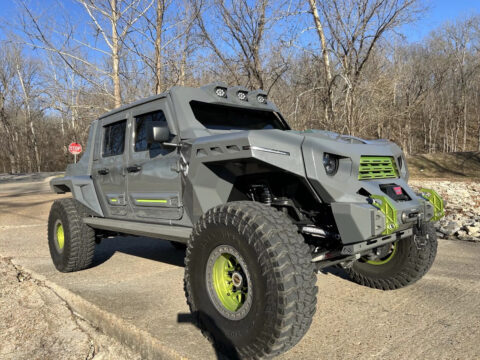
<point x="158" y="134"/>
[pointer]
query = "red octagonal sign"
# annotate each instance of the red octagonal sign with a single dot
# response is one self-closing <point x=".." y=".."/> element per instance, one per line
<point x="75" y="148"/>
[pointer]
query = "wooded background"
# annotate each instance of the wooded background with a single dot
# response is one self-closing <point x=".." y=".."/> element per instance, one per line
<point x="340" y="65"/>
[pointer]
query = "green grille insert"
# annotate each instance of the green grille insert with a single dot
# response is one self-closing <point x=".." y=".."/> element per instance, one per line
<point x="377" y="167"/>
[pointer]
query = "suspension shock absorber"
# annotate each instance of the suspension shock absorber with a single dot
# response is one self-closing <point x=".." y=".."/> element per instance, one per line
<point x="261" y="193"/>
<point x="266" y="196"/>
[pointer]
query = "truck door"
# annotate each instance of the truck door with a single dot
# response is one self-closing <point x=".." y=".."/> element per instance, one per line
<point x="154" y="186"/>
<point x="108" y="166"/>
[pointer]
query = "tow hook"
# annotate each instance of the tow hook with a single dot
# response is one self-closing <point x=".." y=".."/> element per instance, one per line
<point x="420" y="235"/>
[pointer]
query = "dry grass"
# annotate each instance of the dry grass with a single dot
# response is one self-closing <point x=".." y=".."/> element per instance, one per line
<point x="450" y="166"/>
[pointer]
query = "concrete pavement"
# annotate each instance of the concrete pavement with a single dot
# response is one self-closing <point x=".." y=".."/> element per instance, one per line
<point x="134" y="291"/>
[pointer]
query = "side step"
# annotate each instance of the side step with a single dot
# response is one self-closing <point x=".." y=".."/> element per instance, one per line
<point x="165" y="232"/>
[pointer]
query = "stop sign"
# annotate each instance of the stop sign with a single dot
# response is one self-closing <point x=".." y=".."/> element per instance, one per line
<point x="75" y="148"/>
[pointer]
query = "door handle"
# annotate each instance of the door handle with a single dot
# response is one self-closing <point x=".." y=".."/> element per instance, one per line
<point x="134" y="168"/>
<point x="104" y="171"/>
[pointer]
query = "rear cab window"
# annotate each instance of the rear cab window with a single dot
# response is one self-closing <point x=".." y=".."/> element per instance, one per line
<point x="114" y="138"/>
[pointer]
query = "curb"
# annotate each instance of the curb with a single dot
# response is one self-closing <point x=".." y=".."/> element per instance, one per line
<point x="138" y="340"/>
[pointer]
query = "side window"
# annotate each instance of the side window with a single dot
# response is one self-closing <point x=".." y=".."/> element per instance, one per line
<point x="114" y="138"/>
<point x="156" y="118"/>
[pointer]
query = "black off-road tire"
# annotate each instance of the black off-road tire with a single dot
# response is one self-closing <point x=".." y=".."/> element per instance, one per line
<point x="413" y="258"/>
<point x="283" y="280"/>
<point x="79" y="238"/>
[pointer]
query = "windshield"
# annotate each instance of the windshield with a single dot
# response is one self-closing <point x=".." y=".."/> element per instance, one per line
<point x="222" y="117"/>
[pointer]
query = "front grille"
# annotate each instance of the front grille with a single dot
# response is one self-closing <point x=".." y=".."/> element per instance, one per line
<point x="377" y="167"/>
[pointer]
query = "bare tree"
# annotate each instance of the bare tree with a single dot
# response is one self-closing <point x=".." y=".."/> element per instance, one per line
<point x="354" y="28"/>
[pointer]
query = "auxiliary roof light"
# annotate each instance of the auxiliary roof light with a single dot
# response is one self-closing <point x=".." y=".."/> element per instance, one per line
<point x="221" y="92"/>
<point x="242" y="95"/>
<point x="262" y="99"/>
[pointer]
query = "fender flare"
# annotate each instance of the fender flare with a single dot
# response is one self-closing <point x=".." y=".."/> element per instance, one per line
<point x="82" y="189"/>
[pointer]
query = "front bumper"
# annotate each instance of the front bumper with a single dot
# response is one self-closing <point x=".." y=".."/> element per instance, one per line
<point x="381" y="216"/>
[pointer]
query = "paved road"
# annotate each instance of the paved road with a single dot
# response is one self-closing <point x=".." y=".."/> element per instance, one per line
<point x="140" y="281"/>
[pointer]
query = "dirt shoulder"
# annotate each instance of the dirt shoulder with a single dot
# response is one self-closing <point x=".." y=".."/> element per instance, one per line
<point x="35" y="323"/>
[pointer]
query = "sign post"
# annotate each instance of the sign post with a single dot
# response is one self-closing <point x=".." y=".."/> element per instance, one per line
<point x="75" y="149"/>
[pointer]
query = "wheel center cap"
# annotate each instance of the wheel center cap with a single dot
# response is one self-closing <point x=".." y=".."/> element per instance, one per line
<point x="237" y="279"/>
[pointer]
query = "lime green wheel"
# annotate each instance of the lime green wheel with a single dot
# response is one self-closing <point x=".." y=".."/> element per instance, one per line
<point x="383" y="257"/>
<point x="59" y="236"/>
<point x="228" y="281"/>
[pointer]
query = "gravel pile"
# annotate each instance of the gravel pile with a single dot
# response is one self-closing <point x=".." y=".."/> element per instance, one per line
<point x="462" y="211"/>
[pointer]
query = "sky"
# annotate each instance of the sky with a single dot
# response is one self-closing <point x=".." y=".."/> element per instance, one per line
<point x="439" y="11"/>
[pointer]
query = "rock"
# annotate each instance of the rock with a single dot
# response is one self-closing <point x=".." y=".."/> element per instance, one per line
<point x="473" y="230"/>
<point x="451" y="228"/>
<point x="462" y="210"/>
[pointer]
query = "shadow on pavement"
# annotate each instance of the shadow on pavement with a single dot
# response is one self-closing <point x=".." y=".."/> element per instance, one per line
<point x="148" y="248"/>
<point x="223" y="346"/>
<point x="337" y="271"/>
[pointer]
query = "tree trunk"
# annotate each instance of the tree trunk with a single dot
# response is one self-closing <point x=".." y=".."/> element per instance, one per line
<point x="465" y="117"/>
<point x="28" y="117"/>
<point x="329" y="114"/>
<point x="117" y="95"/>
<point x="158" y="46"/>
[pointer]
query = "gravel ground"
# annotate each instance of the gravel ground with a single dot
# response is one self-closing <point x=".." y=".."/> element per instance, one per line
<point x="36" y="324"/>
<point x="462" y="210"/>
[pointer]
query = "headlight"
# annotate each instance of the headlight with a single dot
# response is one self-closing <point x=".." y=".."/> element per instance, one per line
<point x="330" y="162"/>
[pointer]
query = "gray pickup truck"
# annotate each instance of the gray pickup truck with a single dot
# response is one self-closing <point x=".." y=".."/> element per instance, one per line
<point x="259" y="208"/>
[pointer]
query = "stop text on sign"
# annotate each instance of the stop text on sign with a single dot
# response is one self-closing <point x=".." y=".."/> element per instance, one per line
<point x="75" y="148"/>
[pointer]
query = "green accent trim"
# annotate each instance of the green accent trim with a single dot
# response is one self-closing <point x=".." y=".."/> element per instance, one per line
<point x="113" y="200"/>
<point x="377" y="167"/>
<point x="158" y="201"/>
<point x="60" y="236"/>
<point x="390" y="212"/>
<point x="437" y="202"/>
<point x="223" y="268"/>
<point x="386" y="259"/>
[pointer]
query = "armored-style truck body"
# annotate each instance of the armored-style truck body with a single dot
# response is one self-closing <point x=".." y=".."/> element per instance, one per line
<point x="259" y="207"/>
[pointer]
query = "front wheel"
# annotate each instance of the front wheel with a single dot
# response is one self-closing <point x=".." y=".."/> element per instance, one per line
<point x="398" y="264"/>
<point x="249" y="280"/>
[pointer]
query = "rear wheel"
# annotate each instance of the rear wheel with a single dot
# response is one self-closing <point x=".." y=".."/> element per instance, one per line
<point x="249" y="280"/>
<point x="71" y="242"/>
<point x="398" y="264"/>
